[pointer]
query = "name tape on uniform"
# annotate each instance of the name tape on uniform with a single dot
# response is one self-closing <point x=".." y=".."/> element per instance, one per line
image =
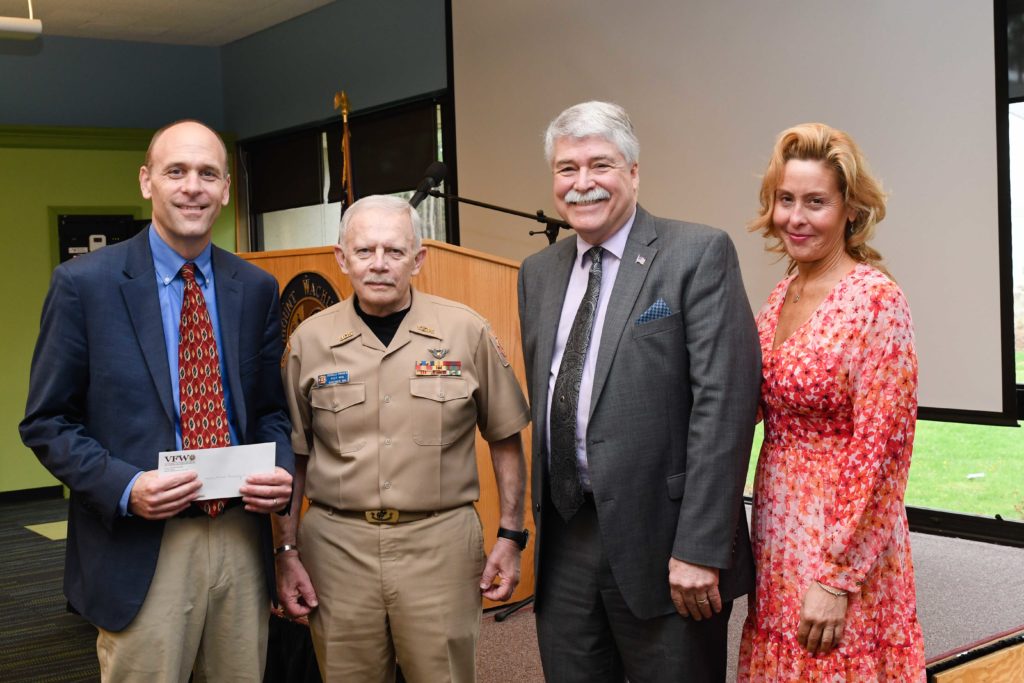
<point x="332" y="378"/>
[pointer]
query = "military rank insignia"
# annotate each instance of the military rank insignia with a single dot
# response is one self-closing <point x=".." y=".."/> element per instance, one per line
<point x="499" y="348"/>
<point x="449" y="368"/>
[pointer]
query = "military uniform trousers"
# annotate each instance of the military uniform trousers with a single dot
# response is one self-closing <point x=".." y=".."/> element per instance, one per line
<point x="408" y="591"/>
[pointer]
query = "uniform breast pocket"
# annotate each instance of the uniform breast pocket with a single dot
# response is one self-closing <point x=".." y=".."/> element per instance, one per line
<point x="441" y="409"/>
<point x="338" y="416"/>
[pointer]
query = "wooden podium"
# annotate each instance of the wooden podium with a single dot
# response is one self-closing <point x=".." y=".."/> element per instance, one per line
<point x="485" y="283"/>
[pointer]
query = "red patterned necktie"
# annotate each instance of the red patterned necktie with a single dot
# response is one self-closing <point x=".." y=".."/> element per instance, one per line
<point x="204" y="419"/>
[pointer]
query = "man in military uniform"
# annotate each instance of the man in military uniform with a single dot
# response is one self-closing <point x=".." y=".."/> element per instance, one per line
<point x="385" y="391"/>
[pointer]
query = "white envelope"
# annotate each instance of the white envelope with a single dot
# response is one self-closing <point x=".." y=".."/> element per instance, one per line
<point x="222" y="470"/>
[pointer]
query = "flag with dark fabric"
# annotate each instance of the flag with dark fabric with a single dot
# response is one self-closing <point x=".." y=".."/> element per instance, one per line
<point x="347" y="194"/>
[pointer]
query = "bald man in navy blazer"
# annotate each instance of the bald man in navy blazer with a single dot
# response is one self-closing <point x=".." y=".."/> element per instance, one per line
<point x="170" y="588"/>
<point x="638" y="565"/>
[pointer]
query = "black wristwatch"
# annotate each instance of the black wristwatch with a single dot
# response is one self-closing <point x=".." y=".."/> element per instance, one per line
<point x="518" y="537"/>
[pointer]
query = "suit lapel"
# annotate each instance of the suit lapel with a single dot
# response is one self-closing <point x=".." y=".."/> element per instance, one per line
<point x="229" y="309"/>
<point x="143" y="304"/>
<point x="555" y="280"/>
<point x="637" y="261"/>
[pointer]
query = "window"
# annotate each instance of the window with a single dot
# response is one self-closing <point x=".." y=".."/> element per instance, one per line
<point x="292" y="180"/>
<point x="1014" y="18"/>
<point x="1016" y="140"/>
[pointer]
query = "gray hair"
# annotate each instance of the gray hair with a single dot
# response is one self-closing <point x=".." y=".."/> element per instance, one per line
<point x="600" y="119"/>
<point x="383" y="202"/>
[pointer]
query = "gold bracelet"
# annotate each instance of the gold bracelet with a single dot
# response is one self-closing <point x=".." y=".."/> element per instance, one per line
<point x="835" y="592"/>
<point x="285" y="548"/>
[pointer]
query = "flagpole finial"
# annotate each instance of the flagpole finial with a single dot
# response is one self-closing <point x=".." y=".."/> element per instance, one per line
<point x="341" y="102"/>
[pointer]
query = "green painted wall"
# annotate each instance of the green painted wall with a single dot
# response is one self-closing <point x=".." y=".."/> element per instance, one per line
<point x="36" y="184"/>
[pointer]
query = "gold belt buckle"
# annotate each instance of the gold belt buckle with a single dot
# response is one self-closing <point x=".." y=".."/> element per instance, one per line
<point x="385" y="516"/>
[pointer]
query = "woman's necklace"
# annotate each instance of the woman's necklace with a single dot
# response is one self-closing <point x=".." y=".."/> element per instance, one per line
<point x="803" y="285"/>
<point x="797" y="295"/>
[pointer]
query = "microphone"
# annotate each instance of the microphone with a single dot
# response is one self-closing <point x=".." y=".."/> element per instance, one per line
<point x="432" y="177"/>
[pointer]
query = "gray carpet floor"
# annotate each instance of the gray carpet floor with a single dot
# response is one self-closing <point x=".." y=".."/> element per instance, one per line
<point x="967" y="592"/>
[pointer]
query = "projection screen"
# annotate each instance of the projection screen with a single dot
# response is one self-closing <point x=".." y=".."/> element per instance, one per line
<point x="709" y="86"/>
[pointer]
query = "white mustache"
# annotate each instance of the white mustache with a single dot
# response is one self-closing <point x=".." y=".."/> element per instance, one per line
<point x="595" y="195"/>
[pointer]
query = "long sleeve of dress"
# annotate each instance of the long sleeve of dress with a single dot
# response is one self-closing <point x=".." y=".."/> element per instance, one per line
<point x="870" y="474"/>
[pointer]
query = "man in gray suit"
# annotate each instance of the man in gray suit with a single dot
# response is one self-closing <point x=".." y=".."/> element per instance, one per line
<point x="643" y="368"/>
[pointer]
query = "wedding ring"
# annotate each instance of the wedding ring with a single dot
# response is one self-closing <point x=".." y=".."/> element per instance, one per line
<point x="702" y="602"/>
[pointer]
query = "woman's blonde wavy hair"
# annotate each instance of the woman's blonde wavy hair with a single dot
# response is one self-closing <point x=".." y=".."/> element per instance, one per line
<point x="861" y="190"/>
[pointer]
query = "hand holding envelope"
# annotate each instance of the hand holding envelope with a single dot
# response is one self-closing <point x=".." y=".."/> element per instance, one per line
<point x="234" y="471"/>
<point x="159" y="496"/>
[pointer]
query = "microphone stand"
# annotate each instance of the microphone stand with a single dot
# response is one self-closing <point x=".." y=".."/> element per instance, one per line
<point x="552" y="225"/>
<point x="551" y="228"/>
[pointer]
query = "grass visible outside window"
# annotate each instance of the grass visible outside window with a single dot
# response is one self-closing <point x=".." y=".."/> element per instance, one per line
<point x="947" y="459"/>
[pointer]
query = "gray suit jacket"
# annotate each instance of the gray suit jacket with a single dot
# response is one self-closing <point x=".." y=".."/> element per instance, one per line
<point x="673" y="408"/>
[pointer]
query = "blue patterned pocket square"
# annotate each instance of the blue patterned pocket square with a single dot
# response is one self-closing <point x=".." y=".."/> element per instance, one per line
<point x="659" y="309"/>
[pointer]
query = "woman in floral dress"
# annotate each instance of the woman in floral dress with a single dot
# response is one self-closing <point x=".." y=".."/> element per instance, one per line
<point x="835" y="582"/>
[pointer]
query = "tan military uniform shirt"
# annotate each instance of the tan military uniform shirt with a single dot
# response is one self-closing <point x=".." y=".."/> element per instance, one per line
<point x="380" y="435"/>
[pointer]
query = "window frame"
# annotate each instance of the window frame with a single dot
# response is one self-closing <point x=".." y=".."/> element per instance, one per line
<point x="249" y="236"/>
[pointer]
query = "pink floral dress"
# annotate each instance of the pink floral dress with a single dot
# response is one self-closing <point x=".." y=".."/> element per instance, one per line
<point x="839" y="402"/>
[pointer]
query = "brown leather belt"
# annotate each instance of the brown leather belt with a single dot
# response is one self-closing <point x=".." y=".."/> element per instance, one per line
<point x="382" y="516"/>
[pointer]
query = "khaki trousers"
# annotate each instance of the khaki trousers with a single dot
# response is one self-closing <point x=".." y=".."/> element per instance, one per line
<point x="409" y="592"/>
<point x="207" y="609"/>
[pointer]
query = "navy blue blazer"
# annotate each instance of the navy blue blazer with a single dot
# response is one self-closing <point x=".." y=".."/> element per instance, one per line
<point x="100" y="407"/>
